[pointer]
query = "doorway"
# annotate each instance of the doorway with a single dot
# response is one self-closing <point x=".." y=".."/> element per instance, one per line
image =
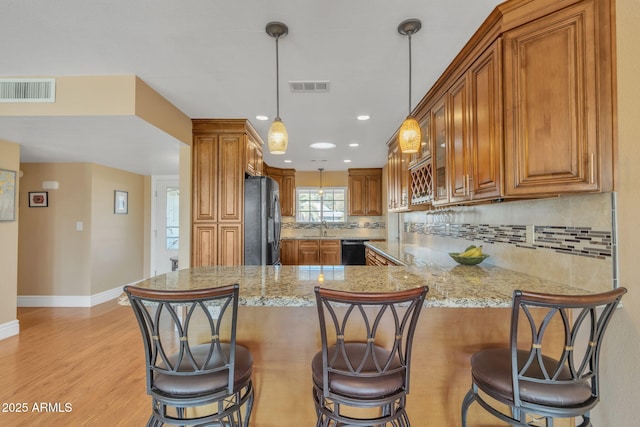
<point x="165" y="236"/>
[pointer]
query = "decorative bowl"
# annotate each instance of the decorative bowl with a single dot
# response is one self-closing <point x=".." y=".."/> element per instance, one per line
<point x="467" y="260"/>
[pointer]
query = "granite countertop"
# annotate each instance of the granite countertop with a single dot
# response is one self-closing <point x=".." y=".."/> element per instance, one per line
<point x="450" y="284"/>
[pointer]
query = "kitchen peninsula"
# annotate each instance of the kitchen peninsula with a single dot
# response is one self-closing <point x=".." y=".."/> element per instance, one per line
<point x="467" y="308"/>
<point x="450" y="284"/>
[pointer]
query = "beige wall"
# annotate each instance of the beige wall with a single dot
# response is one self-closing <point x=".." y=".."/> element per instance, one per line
<point x="117" y="241"/>
<point x="124" y="95"/>
<point x="10" y="160"/>
<point x="155" y="109"/>
<point x="57" y="259"/>
<point x="82" y="96"/>
<point x="54" y="258"/>
<point x="620" y="385"/>
<point x="184" y="254"/>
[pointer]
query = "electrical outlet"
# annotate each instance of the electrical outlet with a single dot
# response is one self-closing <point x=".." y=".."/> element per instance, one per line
<point x="79" y="225"/>
<point x="531" y="234"/>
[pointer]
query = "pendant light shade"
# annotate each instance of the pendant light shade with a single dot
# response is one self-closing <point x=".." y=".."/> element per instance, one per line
<point x="278" y="138"/>
<point x="410" y="134"/>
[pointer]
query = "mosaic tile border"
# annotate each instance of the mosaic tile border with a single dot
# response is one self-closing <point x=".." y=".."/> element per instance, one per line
<point x="579" y="241"/>
<point x="373" y="225"/>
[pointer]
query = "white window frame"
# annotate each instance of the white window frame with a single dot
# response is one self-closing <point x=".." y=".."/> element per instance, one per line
<point x="321" y="218"/>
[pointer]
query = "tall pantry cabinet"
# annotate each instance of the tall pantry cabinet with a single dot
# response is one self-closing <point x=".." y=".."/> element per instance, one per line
<point x="223" y="151"/>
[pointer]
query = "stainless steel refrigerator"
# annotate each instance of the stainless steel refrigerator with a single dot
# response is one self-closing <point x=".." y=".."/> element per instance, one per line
<point x="262" y="221"/>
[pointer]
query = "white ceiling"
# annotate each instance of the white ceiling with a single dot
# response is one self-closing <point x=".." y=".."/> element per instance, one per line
<point x="213" y="59"/>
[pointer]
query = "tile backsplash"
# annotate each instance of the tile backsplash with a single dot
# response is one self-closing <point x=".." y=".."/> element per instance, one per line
<point x="367" y="227"/>
<point x="569" y="239"/>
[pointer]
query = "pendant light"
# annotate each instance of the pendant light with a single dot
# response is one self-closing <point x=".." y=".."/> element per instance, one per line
<point x="277" y="138"/>
<point x="410" y="135"/>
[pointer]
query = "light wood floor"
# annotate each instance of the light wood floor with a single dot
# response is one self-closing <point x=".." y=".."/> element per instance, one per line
<point x="92" y="359"/>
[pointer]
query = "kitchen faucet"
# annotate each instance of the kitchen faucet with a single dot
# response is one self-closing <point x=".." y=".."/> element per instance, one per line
<point x="323" y="226"/>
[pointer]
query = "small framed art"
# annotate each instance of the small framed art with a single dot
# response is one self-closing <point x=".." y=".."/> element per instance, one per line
<point x="38" y="199"/>
<point x="120" y="202"/>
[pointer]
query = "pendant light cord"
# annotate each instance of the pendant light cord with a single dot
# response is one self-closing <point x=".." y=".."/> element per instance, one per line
<point x="277" y="82"/>
<point x="409" y="74"/>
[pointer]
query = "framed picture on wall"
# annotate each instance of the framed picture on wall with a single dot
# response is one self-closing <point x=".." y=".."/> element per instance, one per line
<point x="7" y="195"/>
<point x="38" y="199"/>
<point x="121" y="202"/>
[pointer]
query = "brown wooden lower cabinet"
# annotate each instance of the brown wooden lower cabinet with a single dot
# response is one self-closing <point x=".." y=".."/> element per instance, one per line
<point x="330" y="252"/>
<point x="310" y="252"/>
<point x="374" y="258"/>
<point x="205" y="244"/>
<point x="217" y="244"/>
<point x="289" y="252"/>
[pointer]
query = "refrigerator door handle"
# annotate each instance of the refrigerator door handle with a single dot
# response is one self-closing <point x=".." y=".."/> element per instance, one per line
<point x="277" y="220"/>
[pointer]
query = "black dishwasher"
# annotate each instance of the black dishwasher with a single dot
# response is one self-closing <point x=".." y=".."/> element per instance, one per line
<point x="353" y="252"/>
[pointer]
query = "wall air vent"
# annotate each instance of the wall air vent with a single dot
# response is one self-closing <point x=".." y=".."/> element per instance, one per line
<point x="309" y="86"/>
<point x="27" y="90"/>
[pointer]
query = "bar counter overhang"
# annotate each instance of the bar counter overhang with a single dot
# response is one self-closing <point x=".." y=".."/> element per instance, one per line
<point x="450" y="285"/>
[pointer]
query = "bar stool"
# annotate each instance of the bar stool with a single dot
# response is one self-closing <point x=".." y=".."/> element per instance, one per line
<point x="192" y="358"/>
<point x="534" y="382"/>
<point x="364" y="363"/>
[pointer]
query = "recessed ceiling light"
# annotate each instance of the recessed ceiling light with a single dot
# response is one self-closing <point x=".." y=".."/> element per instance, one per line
<point x="322" y="145"/>
<point x="354" y="144"/>
<point x="259" y="117"/>
<point x="363" y="117"/>
<point x="288" y="161"/>
<point x="347" y="161"/>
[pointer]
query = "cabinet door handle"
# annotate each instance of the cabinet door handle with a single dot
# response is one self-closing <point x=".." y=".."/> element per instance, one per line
<point x="592" y="171"/>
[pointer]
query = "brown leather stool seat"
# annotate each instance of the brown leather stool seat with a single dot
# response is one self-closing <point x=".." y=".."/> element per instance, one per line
<point x="366" y="386"/>
<point x="550" y="369"/>
<point x="487" y="367"/>
<point x="195" y="385"/>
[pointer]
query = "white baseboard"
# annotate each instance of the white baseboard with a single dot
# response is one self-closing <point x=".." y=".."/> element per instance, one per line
<point x="69" y="300"/>
<point x="9" y="329"/>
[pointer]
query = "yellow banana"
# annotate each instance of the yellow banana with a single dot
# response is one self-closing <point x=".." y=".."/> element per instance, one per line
<point x="478" y="252"/>
<point x="472" y="253"/>
<point x="471" y="249"/>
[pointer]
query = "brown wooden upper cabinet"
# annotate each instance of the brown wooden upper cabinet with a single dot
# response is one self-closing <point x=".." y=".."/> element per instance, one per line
<point x="524" y="110"/>
<point x="558" y="102"/>
<point x="398" y="191"/>
<point x="475" y="131"/>
<point x="253" y="161"/>
<point x="222" y="152"/>
<point x="365" y="192"/>
<point x="286" y="179"/>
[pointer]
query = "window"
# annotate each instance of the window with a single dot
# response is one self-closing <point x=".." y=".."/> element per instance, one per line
<point x="173" y="223"/>
<point x="331" y="199"/>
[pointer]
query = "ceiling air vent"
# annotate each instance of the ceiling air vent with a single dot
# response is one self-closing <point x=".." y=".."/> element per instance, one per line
<point x="309" y="87"/>
<point x="27" y="90"/>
